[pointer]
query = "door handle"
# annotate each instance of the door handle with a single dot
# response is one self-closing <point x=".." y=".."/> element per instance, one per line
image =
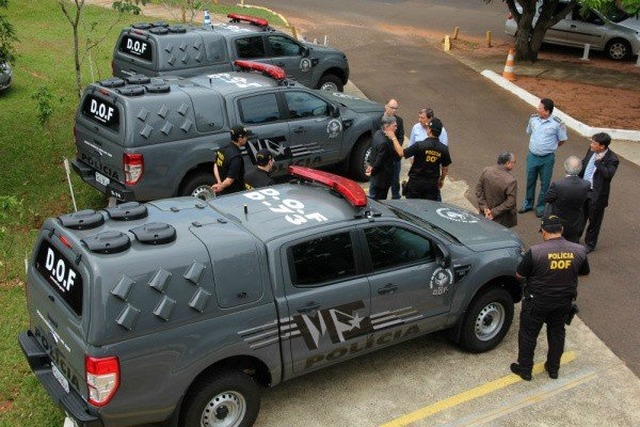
<point x="280" y="64"/>
<point x="309" y="307"/>
<point x="299" y="130"/>
<point x="387" y="289"/>
<point x="573" y="26"/>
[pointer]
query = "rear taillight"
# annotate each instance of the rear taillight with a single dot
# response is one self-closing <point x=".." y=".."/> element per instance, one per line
<point x="103" y="378"/>
<point x="133" y="165"/>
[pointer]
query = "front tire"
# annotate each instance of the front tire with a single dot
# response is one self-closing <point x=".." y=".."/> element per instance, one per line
<point x="359" y="158"/>
<point x="487" y="321"/>
<point x="224" y="399"/>
<point x="330" y="82"/>
<point x="618" y="49"/>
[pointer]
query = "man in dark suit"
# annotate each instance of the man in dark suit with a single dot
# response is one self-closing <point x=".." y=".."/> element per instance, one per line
<point x="566" y="198"/>
<point x="599" y="167"/>
<point x="382" y="159"/>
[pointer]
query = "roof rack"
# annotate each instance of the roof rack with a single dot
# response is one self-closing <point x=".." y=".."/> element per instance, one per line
<point x="347" y="188"/>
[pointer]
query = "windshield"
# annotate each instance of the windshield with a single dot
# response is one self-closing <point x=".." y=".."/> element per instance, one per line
<point x="614" y="13"/>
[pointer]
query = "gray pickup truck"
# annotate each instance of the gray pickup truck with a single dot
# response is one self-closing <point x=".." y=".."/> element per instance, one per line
<point x="159" y="49"/>
<point x="175" y="312"/>
<point x="145" y="138"/>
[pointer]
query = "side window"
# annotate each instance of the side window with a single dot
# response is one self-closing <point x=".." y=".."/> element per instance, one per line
<point x="250" y="47"/>
<point x="284" y="46"/>
<point x="391" y="246"/>
<point x="303" y="104"/>
<point x="586" y="16"/>
<point x="321" y="260"/>
<point x="259" y="109"/>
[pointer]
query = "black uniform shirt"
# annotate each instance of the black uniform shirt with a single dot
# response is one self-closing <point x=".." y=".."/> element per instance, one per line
<point x="257" y="178"/>
<point x="428" y="155"/>
<point x="552" y="268"/>
<point x="230" y="164"/>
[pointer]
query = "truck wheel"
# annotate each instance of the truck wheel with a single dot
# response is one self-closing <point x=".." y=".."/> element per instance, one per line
<point x="618" y="49"/>
<point x="226" y="399"/>
<point x="330" y="82"/>
<point x="359" y="158"/>
<point x="487" y="321"/>
<point x="198" y="185"/>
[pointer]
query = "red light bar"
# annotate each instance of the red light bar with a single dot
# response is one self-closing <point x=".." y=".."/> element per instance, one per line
<point x="347" y="188"/>
<point x="272" y="71"/>
<point x="65" y="242"/>
<point x="235" y="17"/>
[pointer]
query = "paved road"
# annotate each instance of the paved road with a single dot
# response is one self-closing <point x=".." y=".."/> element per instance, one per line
<point x="390" y="56"/>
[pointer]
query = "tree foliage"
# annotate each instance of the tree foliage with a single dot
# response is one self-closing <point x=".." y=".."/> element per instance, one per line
<point x="530" y="35"/>
<point x="7" y="36"/>
<point x="72" y="10"/>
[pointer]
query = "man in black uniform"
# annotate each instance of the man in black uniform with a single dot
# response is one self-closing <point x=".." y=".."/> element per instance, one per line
<point x="260" y="176"/>
<point x="551" y="269"/>
<point x="382" y="159"/>
<point x="430" y="166"/>
<point x="229" y="166"/>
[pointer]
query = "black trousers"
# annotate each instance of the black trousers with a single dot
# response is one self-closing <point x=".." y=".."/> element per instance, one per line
<point x="594" y="214"/>
<point x="417" y="189"/>
<point x="531" y="321"/>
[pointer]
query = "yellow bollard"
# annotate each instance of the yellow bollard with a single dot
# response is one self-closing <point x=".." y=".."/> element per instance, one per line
<point x="294" y="33"/>
<point x="456" y="30"/>
<point x="447" y="43"/>
<point x="488" y="37"/>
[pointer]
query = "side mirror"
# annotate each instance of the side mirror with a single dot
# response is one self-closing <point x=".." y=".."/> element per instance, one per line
<point x="305" y="51"/>
<point x="333" y="111"/>
<point x="444" y="259"/>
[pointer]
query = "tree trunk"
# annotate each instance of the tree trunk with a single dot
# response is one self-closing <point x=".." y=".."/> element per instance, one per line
<point x="523" y="36"/>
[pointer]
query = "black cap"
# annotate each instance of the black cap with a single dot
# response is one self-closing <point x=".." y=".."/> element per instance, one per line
<point x="239" y="132"/>
<point x="436" y="126"/>
<point x="550" y="223"/>
<point x="263" y="157"/>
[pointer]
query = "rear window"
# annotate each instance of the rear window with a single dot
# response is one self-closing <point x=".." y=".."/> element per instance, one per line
<point x="61" y="275"/>
<point x="102" y="112"/>
<point x="136" y="47"/>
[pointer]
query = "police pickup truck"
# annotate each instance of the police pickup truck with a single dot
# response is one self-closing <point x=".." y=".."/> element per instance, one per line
<point x="147" y="138"/>
<point x="175" y="312"/>
<point x="159" y="49"/>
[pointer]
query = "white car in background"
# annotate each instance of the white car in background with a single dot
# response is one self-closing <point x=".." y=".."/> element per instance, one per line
<point x="5" y="75"/>
<point x="611" y="30"/>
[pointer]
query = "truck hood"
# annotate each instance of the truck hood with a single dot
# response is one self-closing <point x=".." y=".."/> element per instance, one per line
<point x="632" y="22"/>
<point x="359" y="105"/>
<point x="473" y="231"/>
<point x="320" y="49"/>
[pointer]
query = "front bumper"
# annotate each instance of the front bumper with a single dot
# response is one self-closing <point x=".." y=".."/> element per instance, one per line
<point x="72" y="403"/>
<point x="114" y="189"/>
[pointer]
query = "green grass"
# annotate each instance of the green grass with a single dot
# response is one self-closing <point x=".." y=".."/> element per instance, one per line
<point x="33" y="183"/>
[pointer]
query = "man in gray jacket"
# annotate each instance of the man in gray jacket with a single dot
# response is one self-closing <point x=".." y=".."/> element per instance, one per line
<point x="496" y="191"/>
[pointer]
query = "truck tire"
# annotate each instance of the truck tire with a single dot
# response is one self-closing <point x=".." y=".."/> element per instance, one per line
<point x="618" y="49"/>
<point x="330" y="82"/>
<point x="359" y="158"/>
<point x="223" y="399"/>
<point x="198" y="185"/>
<point x="487" y="321"/>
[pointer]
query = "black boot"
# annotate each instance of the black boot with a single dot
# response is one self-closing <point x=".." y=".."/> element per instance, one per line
<point x="522" y="372"/>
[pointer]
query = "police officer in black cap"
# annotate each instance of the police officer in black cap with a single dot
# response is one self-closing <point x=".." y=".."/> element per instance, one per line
<point x="551" y="270"/>
<point x="260" y="176"/>
<point x="229" y="166"/>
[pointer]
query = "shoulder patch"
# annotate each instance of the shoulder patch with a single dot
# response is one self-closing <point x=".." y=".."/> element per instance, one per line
<point x="558" y="120"/>
<point x="534" y="115"/>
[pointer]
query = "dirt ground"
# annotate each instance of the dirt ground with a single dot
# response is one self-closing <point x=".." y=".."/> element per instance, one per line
<point x="595" y="105"/>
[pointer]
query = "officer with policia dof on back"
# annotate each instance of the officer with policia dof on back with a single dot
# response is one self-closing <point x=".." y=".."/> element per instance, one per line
<point x="551" y="270"/>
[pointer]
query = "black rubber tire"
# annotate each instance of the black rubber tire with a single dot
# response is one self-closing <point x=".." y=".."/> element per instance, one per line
<point x="195" y="185"/>
<point x="618" y="49"/>
<point x="221" y="395"/>
<point x="357" y="162"/>
<point x="330" y="80"/>
<point x="487" y="321"/>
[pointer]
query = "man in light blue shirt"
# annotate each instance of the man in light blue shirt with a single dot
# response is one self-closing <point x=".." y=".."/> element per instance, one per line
<point x="547" y="134"/>
<point x="419" y="130"/>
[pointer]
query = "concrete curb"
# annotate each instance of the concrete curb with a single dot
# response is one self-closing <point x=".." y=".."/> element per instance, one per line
<point x="581" y="128"/>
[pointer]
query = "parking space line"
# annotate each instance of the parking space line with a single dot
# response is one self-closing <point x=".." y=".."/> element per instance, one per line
<point x="549" y="390"/>
<point x="468" y="395"/>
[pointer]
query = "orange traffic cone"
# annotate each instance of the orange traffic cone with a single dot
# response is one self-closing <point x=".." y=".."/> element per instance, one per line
<point x="508" y="67"/>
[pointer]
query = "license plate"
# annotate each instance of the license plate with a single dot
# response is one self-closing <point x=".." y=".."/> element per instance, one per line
<point x="61" y="379"/>
<point x="101" y="179"/>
